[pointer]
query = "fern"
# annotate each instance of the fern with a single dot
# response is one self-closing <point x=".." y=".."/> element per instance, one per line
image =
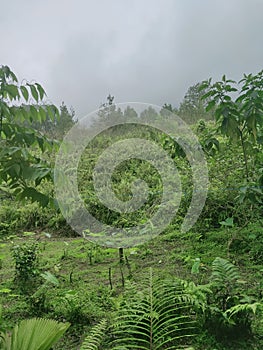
<point x="95" y="336"/>
<point x="224" y="273"/>
<point x="229" y="310"/>
<point x="157" y="319"/>
<point x="195" y="295"/>
<point x="244" y="308"/>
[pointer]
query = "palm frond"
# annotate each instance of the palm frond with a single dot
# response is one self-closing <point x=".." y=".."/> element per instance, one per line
<point x="34" y="334"/>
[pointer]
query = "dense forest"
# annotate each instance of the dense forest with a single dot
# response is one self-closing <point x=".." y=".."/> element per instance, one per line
<point x="66" y="286"/>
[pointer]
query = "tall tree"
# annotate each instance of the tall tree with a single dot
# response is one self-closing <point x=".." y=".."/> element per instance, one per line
<point x="65" y="121"/>
<point x="109" y="113"/>
<point x="130" y="114"/>
<point x="149" y="114"/>
<point x="167" y="110"/>
<point x="192" y="108"/>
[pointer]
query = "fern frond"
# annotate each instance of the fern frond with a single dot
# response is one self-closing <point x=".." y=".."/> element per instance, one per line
<point x="94" y="338"/>
<point x="195" y="295"/>
<point x="158" y="319"/>
<point x="224" y="272"/>
<point x="243" y="308"/>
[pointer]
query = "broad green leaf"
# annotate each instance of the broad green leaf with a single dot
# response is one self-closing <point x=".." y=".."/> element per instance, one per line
<point x="51" y="112"/>
<point x="42" y="113"/>
<point x="13" y="76"/>
<point x="28" y="137"/>
<point x="33" y="91"/>
<point x="41" y="91"/>
<point x="26" y="114"/>
<point x="24" y="92"/>
<point x="228" y="222"/>
<point x="7" y="130"/>
<point x="12" y="91"/>
<point x="210" y="105"/>
<point x="33" y="173"/>
<point x="14" y="170"/>
<point x="18" y="114"/>
<point x="34" y="113"/>
<point x="230" y="127"/>
<point x="28" y="172"/>
<point x="208" y="94"/>
<point x="35" y="196"/>
<point x="252" y="125"/>
<point x="49" y="277"/>
<point x="41" y="143"/>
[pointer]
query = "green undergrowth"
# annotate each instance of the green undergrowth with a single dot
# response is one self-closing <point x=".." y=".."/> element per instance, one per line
<point x="77" y="281"/>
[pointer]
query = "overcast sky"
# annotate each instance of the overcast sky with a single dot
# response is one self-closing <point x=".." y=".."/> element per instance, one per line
<point x="138" y="50"/>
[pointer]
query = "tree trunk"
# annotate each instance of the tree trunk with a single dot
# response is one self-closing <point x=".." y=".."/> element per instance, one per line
<point x="121" y="255"/>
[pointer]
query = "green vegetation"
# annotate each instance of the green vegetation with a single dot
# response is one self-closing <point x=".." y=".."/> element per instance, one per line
<point x="199" y="290"/>
<point x="34" y="334"/>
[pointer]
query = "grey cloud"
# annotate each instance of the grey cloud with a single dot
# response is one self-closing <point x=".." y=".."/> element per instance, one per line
<point x="148" y="51"/>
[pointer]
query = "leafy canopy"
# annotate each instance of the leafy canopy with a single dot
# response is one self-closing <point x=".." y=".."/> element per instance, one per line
<point x="239" y="114"/>
<point x="22" y="169"/>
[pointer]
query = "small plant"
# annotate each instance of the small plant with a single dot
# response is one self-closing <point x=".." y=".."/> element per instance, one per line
<point x="25" y="256"/>
<point x="65" y="254"/>
<point x="75" y="307"/>
<point x="94" y="254"/>
<point x="38" y="301"/>
<point x="230" y="310"/>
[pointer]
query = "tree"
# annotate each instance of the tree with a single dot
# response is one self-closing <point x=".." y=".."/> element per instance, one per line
<point x="167" y="110"/>
<point x="240" y="118"/>
<point x="192" y="108"/>
<point x="149" y="114"/>
<point x="108" y="113"/>
<point x="239" y="115"/>
<point x="130" y="114"/>
<point x="57" y="127"/>
<point x="22" y="168"/>
<point x="64" y="123"/>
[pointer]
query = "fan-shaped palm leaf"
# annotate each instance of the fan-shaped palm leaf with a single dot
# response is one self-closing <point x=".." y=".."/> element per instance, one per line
<point x="34" y="334"/>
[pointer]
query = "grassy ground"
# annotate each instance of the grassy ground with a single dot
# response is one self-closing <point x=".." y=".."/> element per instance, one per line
<point x="90" y="278"/>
